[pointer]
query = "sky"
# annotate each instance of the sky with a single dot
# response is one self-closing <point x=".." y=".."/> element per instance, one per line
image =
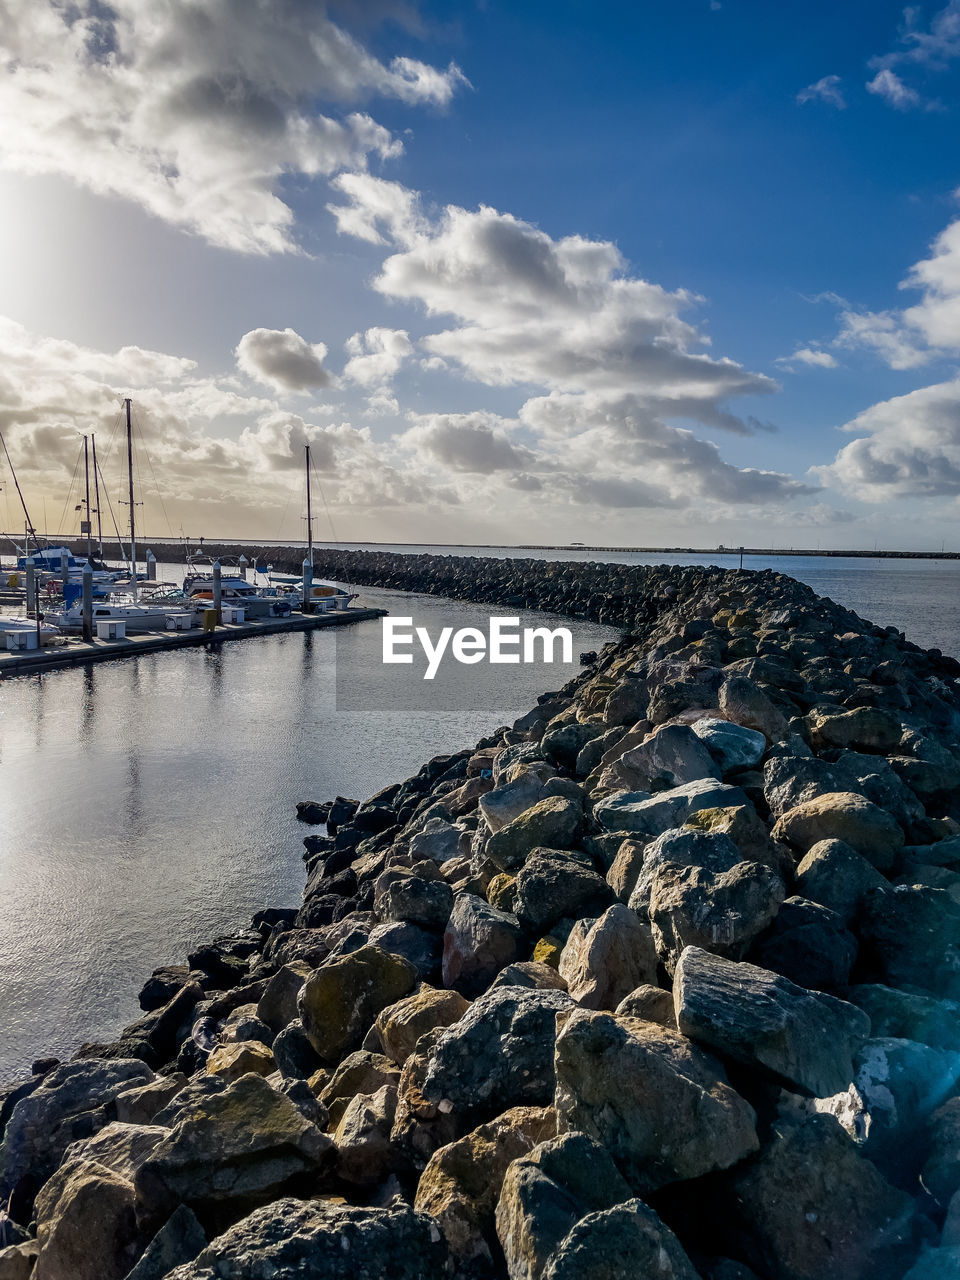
<point x="623" y="274"/>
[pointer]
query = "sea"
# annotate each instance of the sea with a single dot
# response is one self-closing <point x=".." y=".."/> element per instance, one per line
<point x="148" y="804"/>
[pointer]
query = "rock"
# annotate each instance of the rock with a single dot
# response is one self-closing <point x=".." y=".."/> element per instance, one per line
<point x="841" y="815"/>
<point x="478" y="942"/>
<point x="277" y="1006"/>
<point x="86" y="1224"/>
<point x="140" y="1105"/>
<point x="907" y="1015"/>
<point x="121" y="1148"/>
<point x="749" y="833"/>
<point x="721" y="912"/>
<point x="649" y="816"/>
<point x="897" y="1084"/>
<point x="529" y="973"/>
<point x="402" y="1024"/>
<point x="247" y="1141"/>
<point x="546" y="1193"/>
<point x="808" y="944"/>
<point x="499" y="1055"/>
<point x="440" y="841"/>
<point x="70" y="1103"/>
<point x="670" y="757"/>
<point x="414" y="900"/>
<point x="365" y="1156"/>
<point x="913" y="936"/>
<point x="164" y="983"/>
<point x="244" y="1025"/>
<point x="461" y="1184"/>
<point x="863" y="729"/>
<point x="625" y="869"/>
<point x="789" y="781"/>
<point x="231" y="1061"/>
<point x="620" y="1243"/>
<point x="411" y="943"/>
<point x="936" y="1264"/>
<point x="554" y="884"/>
<point x="293" y="1053"/>
<point x="553" y="823"/>
<point x="804" y="1040"/>
<point x="502" y="892"/>
<point x="508" y="801"/>
<point x="339" y="1002"/>
<point x="18" y="1260"/>
<point x="836" y="876"/>
<point x="179" y="1240"/>
<point x="662" y="1107"/>
<point x="811" y="1206"/>
<point x="681" y="848"/>
<point x="421" y="1124"/>
<point x="317" y="1239"/>
<point x="626" y="702"/>
<point x="731" y="745"/>
<point x="564" y="744"/>
<point x="651" y="1004"/>
<point x="614" y="955"/>
<point x="360" y="1072"/>
<point x="746" y="704"/>
<point x="941" y="1170"/>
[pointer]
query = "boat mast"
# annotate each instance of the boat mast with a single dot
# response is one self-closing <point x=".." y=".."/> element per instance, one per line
<point x="86" y="476"/>
<point x="133" y="529"/>
<point x="309" y="512"/>
<point x="29" y="529"/>
<point x="96" y="491"/>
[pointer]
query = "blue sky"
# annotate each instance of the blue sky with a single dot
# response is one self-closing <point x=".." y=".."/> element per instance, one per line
<point x="578" y="250"/>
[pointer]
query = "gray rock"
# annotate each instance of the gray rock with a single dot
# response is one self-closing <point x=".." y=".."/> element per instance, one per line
<point x="661" y="1106"/>
<point x="365" y="1155"/>
<point x="836" y="876"/>
<point x="670" y="757"/>
<point x="562" y="745"/>
<point x="510" y="799"/>
<point x="416" y="945"/>
<point x="553" y="823"/>
<point x="620" y="1243"/>
<point x="72" y="1102"/>
<point x="440" y="841"/>
<point x="745" y="703"/>
<point x="722" y="912"/>
<point x="843" y="815"/>
<point x="610" y="958"/>
<point x="293" y="1053"/>
<point x="913" y="935"/>
<point x="649" y="816"/>
<point x="414" y="900"/>
<point x="651" y="1004"/>
<point x="905" y="1015"/>
<point x="478" y="942"/>
<point x="713" y="851"/>
<point x="808" y="944"/>
<point x="339" y="1002"/>
<point x="731" y="745"/>
<point x="804" y="1040"/>
<point x="529" y="973"/>
<point x="179" y="1240"/>
<point x="317" y="1239"/>
<point x="941" y="1169"/>
<point x="553" y="884"/>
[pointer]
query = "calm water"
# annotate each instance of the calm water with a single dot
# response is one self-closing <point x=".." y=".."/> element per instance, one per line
<point x="146" y="805"/>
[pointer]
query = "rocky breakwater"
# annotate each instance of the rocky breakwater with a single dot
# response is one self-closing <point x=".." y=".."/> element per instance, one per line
<point x="661" y="980"/>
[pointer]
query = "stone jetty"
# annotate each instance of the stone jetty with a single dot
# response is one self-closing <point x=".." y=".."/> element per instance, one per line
<point x="662" y="980"/>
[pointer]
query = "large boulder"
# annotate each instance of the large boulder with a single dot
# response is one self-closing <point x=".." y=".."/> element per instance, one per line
<point x="365" y="1155"/>
<point x="73" y="1101"/>
<point x="712" y="851"/>
<point x="339" y="1001"/>
<point x="179" y="1240"/>
<point x="662" y="1107"/>
<point x="415" y="900"/>
<point x="278" y="1005"/>
<point x="499" y="1055"/>
<point x="620" y="1243"/>
<point x="842" y="815"/>
<point x="322" y="1240"/>
<point x="670" y="757"/>
<point x="553" y="823"/>
<point x="86" y="1224"/>
<point x="478" y="942"/>
<point x="836" y="876"/>
<point x="401" y="1025"/>
<point x="461" y="1184"/>
<point x="362" y="1072"/>
<point x="647" y="816"/>
<point x="809" y="944"/>
<point x="247" y="1141"/>
<point x="510" y="799"/>
<point x="609" y="959"/>
<point x="553" y="884"/>
<point x="745" y="703"/>
<point x="912" y="934"/>
<point x="941" y="1169"/>
<point x="731" y="745"/>
<point x="804" y="1040"/>
<point x="863" y="729"/>
<point x="546" y="1193"/>
<point x="811" y="1206"/>
<point x="723" y="912"/>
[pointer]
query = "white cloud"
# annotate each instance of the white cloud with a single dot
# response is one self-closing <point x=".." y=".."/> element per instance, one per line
<point x="195" y="109"/>
<point x="827" y="89"/>
<point x="908" y="447"/>
<point x="887" y="84"/>
<point x="281" y="359"/>
<point x="470" y="442"/>
<point x="376" y="355"/>
<point x="814" y="356"/>
<point x="935" y="46"/>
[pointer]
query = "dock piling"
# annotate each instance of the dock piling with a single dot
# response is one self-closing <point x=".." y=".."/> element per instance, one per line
<point x="87" y="601"/>
<point x="217" y="589"/>
<point x="307" y="585"/>
<point x="29" y="566"/>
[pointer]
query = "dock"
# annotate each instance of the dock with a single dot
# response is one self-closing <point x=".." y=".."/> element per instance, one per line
<point x="76" y="652"/>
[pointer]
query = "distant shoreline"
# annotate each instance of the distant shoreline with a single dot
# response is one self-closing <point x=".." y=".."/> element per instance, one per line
<point x="145" y="541"/>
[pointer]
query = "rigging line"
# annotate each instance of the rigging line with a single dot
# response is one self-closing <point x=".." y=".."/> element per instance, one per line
<point x="156" y="484"/>
<point x="23" y="504"/>
<point x="326" y="505"/>
<point x="74" y="480"/>
<point x="106" y="494"/>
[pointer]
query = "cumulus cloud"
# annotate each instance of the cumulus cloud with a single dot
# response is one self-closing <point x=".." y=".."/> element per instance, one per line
<point x="280" y="358"/>
<point x="936" y="45"/>
<point x="470" y="442"/>
<point x="827" y="89"/>
<point x="887" y="84"/>
<point x="196" y="109"/>
<point x="376" y="355"/>
<point x="813" y="356"/>
<point x="908" y="447"/>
